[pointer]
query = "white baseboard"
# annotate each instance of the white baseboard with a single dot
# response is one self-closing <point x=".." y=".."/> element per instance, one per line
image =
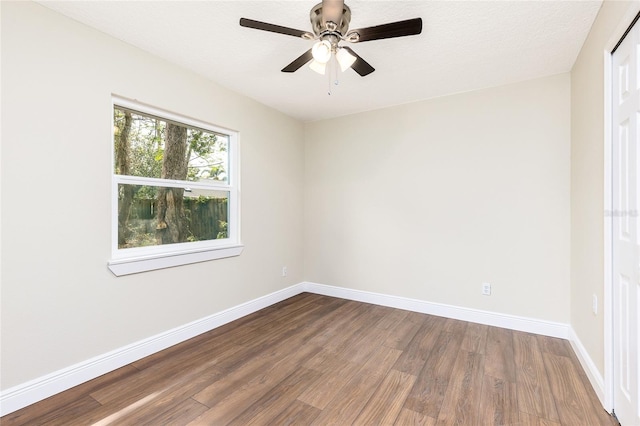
<point x="43" y="387"/>
<point x="530" y="325"/>
<point x="36" y="390"/>
<point x="596" y="379"/>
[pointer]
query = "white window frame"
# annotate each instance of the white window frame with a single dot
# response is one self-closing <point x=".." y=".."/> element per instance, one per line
<point x="141" y="259"/>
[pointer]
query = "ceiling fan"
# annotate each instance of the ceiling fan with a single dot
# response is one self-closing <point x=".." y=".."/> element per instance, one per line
<point x="330" y="23"/>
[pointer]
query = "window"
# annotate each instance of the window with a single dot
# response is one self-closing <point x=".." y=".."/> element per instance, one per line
<point x="175" y="190"/>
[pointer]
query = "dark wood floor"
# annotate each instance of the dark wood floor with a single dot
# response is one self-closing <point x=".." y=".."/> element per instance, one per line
<point x="319" y="360"/>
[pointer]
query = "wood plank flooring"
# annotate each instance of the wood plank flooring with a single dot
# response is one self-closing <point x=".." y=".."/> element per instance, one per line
<point x="317" y="360"/>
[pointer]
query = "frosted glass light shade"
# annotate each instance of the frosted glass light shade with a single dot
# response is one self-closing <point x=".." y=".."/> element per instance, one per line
<point x="318" y="67"/>
<point x="321" y="51"/>
<point x="345" y="59"/>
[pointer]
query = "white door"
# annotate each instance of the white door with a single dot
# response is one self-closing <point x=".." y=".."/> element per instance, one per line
<point x="626" y="232"/>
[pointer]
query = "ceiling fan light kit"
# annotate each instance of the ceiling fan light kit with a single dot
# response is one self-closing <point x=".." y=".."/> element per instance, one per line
<point x="322" y="51"/>
<point x="330" y="24"/>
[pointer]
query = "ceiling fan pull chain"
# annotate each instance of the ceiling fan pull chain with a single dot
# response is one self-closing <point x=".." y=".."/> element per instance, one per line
<point x="332" y="73"/>
<point x="329" y="75"/>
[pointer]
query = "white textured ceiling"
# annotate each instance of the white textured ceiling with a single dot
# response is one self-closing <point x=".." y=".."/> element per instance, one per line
<point x="464" y="45"/>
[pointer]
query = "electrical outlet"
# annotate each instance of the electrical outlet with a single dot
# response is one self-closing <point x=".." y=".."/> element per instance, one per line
<point x="594" y="305"/>
<point x="486" y="289"/>
<point x="284" y="271"/>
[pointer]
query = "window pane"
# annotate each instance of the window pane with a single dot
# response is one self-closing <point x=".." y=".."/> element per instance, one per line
<point x="149" y="146"/>
<point x="151" y="216"/>
<point x="208" y="157"/>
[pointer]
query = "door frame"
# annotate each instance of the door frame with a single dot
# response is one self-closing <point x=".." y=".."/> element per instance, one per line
<point x="625" y="24"/>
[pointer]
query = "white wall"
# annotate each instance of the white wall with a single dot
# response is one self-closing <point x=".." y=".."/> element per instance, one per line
<point x="431" y="199"/>
<point x="587" y="177"/>
<point x="60" y="304"/>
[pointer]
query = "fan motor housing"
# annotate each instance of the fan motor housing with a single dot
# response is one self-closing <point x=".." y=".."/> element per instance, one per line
<point x="319" y="27"/>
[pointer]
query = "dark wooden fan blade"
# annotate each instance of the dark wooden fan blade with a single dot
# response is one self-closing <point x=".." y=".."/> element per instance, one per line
<point x="394" y="29"/>
<point x="298" y="62"/>
<point x="360" y="66"/>
<point x="250" y="23"/>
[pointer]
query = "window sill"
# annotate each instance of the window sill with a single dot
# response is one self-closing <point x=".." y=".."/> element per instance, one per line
<point x="130" y="266"/>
